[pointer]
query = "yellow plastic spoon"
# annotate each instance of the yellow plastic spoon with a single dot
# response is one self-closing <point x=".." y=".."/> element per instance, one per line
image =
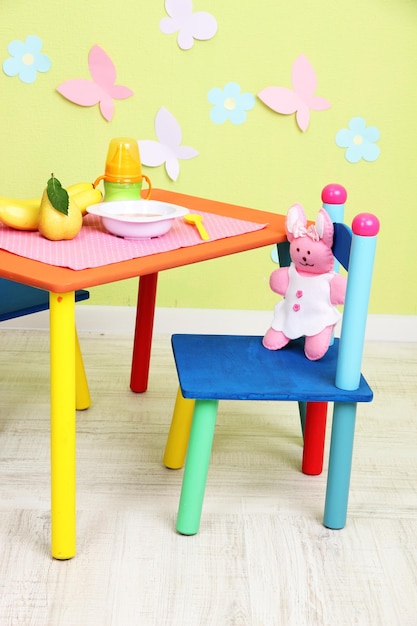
<point x="197" y="221"/>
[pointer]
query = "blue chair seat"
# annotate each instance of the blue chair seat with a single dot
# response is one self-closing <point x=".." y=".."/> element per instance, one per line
<point x="233" y="367"/>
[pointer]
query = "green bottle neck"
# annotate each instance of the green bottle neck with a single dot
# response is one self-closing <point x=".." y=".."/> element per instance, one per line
<point x="121" y="191"/>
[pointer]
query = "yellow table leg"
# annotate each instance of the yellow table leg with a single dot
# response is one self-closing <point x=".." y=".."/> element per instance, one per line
<point x="62" y="349"/>
<point x="179" y="432"/>
<point x="82" y="393"/>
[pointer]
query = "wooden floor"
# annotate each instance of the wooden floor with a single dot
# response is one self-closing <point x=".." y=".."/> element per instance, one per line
<point x="262" y="557"/>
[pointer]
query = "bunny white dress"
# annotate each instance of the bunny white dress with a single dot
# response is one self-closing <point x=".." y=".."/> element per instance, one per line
<point x="306" y="308"/>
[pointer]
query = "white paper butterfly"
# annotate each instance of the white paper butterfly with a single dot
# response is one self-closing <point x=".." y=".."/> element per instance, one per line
<point x="199" y="25"/>
<point x="169" y="149"/>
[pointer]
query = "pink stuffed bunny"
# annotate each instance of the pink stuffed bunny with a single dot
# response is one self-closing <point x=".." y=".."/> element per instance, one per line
<point x="310" y="286"/>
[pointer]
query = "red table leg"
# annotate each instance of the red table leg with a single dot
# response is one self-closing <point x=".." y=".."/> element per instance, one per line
<point x="314" y="438"/>
<point x="142" y="343"/>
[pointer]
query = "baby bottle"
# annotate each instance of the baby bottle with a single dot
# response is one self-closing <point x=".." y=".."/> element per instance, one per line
<point x="123" y="171"/>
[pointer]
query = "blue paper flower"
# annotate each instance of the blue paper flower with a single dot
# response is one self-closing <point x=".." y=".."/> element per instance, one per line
<point x="230" y="104"/>
<point x="359" y="141"/>
<point x="26" y="59"/>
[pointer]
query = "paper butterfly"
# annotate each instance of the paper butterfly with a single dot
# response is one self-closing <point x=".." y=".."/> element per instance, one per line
<point x="299" y="100"/>
<point x="199" y="25"/>
<point x="101" y="89"/>
<point x="168" y="150"/>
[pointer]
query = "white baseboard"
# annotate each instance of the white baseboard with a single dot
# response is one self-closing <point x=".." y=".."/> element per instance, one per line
<point x="121" y="320"/>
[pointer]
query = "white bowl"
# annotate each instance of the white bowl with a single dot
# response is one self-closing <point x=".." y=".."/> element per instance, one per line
<point x="137" y="219"/>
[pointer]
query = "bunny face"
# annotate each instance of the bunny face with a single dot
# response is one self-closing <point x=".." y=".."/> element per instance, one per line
<point x="311" y="257"/>
<point x="310" y="247"/>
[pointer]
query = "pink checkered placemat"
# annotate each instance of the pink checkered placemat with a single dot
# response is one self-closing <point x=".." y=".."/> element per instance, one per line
<point x="94" y="247"/>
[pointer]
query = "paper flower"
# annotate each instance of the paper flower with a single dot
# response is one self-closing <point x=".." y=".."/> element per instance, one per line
<point x="168" y="149"/>
<point x="301" y="98"/>
<point x="26" y="59"/>
<point x="359" y="141"/>
<point x="199" y="25"/>
<point x="101" y="89"/>
<point x="230" y="104"/>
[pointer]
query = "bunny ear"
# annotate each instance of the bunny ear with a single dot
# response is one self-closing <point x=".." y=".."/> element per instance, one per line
<point x="324" y="227"/>
<point x="295" y="218"/>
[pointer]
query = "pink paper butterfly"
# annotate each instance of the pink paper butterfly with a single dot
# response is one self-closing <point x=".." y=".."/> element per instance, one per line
<point x="169" y="149"/>
<point x="101" y="89"/>
<point x="299" y="100"/>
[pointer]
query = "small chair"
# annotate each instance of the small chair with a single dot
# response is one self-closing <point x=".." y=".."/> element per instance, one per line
<point x="228" y="367"/>
<point x="17" y="300"/>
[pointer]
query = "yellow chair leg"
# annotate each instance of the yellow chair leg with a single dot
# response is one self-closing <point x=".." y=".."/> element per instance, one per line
<point x="63" y="427"/>
<point x="179" y="432"/>
<point x="82" y="393"/>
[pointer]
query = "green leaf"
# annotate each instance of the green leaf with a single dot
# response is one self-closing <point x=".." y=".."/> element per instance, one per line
<point x="58" y="196"/>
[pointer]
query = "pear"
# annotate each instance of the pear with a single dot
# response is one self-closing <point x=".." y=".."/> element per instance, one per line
<point x="55" y="225"/>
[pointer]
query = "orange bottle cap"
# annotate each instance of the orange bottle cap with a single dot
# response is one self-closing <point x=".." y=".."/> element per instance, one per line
<point x="123" y="161"/>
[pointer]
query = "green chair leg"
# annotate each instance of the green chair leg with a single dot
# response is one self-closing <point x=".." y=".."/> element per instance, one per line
<point x="196" y="466"/>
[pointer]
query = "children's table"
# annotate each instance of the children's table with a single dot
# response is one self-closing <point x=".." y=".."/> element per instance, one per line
<point x="233" y="229"/>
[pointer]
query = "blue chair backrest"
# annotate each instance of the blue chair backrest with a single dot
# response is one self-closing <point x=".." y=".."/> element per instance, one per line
<point x="342" y="242"/>
<point x="17" y="299"/>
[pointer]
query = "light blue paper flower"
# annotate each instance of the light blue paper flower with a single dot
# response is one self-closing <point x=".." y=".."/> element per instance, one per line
<point x="230" y="104"/>
<point x="359" y="141"/>
<point x="26" y="59"/>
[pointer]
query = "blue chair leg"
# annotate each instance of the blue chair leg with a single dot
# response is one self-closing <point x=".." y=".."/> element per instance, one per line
<point x="196" y="466"/>
<point x="340" y="464"/>
<point x="302" y="407"/>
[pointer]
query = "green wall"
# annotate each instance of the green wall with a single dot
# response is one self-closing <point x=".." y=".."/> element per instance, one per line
<point x="364" y="57"/>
